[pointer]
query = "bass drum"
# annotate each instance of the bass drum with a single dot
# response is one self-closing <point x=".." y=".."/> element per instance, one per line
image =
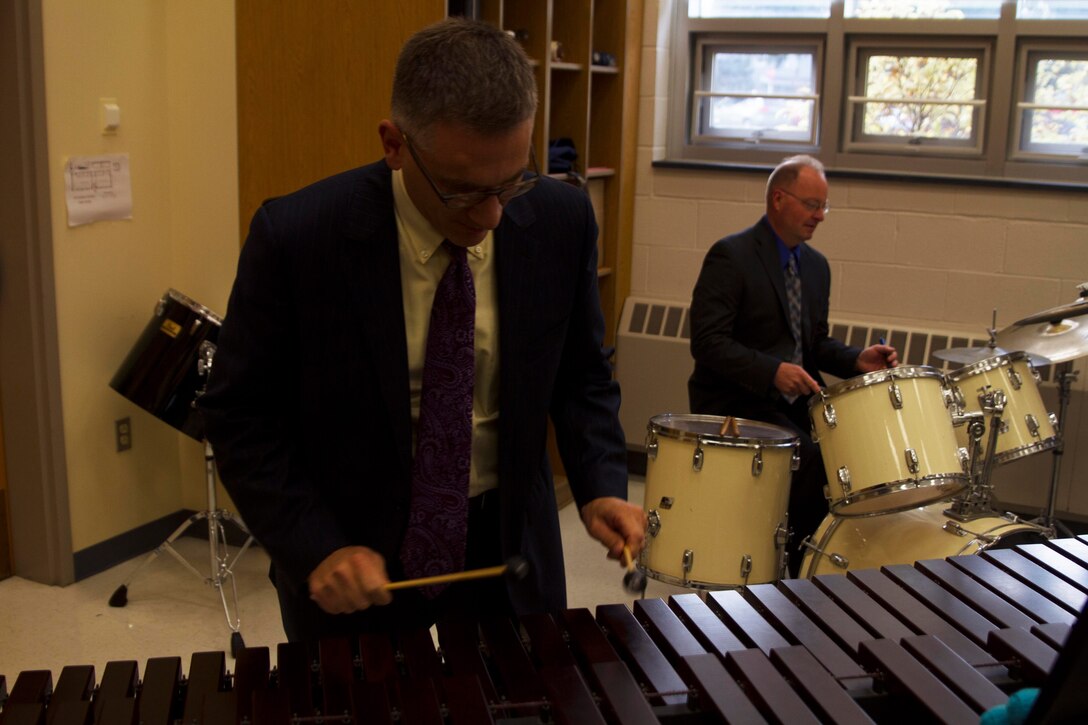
<point x="844" y="543"/>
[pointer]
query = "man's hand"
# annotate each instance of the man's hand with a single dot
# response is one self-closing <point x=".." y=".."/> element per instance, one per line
<point x="349" y="580"/>
<point x="616" y="523"/>
<point x="792" y="379"/>
<point x="877" y="357"/>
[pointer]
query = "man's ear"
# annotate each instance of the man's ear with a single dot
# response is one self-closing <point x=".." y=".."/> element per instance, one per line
<point x="392" y="144"/>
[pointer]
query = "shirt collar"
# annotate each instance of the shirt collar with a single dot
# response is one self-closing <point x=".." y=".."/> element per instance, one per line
<point x="422" y="240"/>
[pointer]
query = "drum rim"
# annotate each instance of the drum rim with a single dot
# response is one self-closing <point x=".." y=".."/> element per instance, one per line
<point x="1014" y="454"/>
<point x="789" y="439"/>
<point x="192" y="305"/>
<point x="902" y="372"/>
<point x="991" y="363"/>
<point x="891" y="487"/>
<point x="692" y="583"/>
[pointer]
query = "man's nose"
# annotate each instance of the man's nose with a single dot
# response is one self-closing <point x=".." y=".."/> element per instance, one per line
<point x="487" y="213"/>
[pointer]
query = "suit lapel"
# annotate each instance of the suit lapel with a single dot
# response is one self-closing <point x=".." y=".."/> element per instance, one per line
<point x="372" y="270"/>
<point x="772" y="265"/>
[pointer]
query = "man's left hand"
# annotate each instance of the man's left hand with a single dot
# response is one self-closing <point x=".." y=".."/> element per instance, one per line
<point x="877" y="357"/>
<point x="616" y="523"/>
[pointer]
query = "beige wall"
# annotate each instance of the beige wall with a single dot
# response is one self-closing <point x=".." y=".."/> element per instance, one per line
<point x="170" y="65"/>
<point x="930" y="256"/>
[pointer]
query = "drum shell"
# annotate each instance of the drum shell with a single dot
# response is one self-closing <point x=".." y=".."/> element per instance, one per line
<point x="908" y="536"/>
<point x="1016" y="439"/>
<point x="871" y="436"/>
<point x="160" y="372"/>
<point x="722" y="512"/>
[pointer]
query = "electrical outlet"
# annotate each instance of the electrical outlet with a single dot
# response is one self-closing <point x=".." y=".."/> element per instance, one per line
<point x="123" y="429"/>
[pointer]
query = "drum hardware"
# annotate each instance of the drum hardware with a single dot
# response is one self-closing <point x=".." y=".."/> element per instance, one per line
<point x="781" y="538"/>
<point x="686" y="563"/>
<point x="165" y="373"/>
<point x="1047" y="519"/>
<point x="843" y="474"/>
<point x="745" y="567"/>
<point x="896" y="396"/>
<point x="697" y="457"/>
<point x="653" y="525"/>
<point x="912" y="460"/>
<point x="757" y="461"/>
<point x="666" y="502"/>
<point x="974" y="501"/>
<point x="836" y="559"/>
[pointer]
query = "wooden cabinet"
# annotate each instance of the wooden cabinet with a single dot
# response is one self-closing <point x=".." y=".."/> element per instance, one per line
<point x="594" y="104"/>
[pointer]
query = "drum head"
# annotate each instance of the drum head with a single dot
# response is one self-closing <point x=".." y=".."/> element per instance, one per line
<point x="708" y="429"/>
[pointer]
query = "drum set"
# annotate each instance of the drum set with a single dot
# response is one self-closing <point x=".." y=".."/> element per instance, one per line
<point x="908" y="452"/>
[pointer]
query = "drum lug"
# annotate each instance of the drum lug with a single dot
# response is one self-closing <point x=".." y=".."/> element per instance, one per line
<point x="781" y="535"/>
<point x="795" y="460"/>
<point x="757" y="461"/>
<point x="829" y="415"/>
<point x="953" y="398"/>
<point x="204" y="362"/>
<point x="912" y="460"/>
<point x="896" y="396"/>
<point x="686" y="562"/>
<point x="745" y="567"/>
<point x="697" y="457"/>
<point x="1033" y="425"/>
<point x="844" y="478"/>
<point x="1054" y="422"/>
<point x="160" y="307"/>
<point x="1015" y="379"/>
<point x="653" y="522"/>
<point x="651" y="443"/>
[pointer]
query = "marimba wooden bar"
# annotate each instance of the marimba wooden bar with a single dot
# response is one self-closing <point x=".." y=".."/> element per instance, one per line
<point x="939" y="641"/>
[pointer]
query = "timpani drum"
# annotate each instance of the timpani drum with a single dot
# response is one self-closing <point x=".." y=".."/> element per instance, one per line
<point x="844" y="543"/>
<point x="165" y="371"/>
<point x="716" y="501"/>
<point x="1026" y="426"/>
<point x="887" y="441"/>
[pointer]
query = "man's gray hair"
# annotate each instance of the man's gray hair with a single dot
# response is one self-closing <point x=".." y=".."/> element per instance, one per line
<point x="786" y="172"/>
<point x="463" y="72"/>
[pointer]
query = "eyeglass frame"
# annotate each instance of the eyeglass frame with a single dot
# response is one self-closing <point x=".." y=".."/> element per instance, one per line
<point x="469" y="199"/>
<point x="811" y="205"/>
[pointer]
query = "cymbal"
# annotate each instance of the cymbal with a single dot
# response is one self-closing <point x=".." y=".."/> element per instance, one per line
<point x="1054" y="314"/>
<point x="1059" y="341"/>
<point x="971" y="355"/>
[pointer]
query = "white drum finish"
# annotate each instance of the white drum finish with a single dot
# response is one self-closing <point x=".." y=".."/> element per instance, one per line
<point x="716" y="503"/>
<point x="887" y="441"/>
<point x="1026" y="426"/>
<point x="907" y="537"/>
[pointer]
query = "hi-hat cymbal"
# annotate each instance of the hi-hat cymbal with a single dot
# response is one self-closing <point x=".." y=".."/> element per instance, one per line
<point x="1059" y="341"/>
<point x="971" y="355"/>
<point x="1055" y="314"/>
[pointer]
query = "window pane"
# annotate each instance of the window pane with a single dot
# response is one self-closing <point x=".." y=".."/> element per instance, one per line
<point x="1061" y="82"/>
<point x="1052" y="9"/>
<point x="915" y="87"/>
<point x="761" y="96"/>
<point x="938" y="9"/>
<point x="759" y="8"/>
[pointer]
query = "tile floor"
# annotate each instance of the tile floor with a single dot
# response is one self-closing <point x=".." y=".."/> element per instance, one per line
<point x="172" y="612"/>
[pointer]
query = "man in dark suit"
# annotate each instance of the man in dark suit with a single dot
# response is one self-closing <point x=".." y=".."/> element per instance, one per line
<point x="320" y="375"/>
<point x="748" y="361"/>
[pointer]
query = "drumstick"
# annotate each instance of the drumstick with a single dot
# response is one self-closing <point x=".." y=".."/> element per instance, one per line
<point x="634" y="581"/>
<point x="729" y="427"/>
<point x="515" y="567"/>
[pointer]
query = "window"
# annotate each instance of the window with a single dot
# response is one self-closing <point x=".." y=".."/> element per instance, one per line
<point x="756" y="94"/>
<point x="917" y="97"/>
<point x="967" y="88"/>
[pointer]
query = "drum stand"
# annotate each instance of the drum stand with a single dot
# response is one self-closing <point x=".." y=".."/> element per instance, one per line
<point x="221" y="568"/>
<point x="1065" y="382"/>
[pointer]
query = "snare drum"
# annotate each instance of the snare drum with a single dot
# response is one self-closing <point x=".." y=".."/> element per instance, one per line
<point x="165" y="372"/>
<point x="887" y="441"/>
<point x="716" y="502"/>
<point x="909" y="536"/>
<point x="1026" y="427"/>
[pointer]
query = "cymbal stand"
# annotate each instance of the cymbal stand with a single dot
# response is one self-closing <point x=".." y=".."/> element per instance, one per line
<point x="974" y="502"/>
<point x="1047" y="519"/>
<point x="221" y="566"/>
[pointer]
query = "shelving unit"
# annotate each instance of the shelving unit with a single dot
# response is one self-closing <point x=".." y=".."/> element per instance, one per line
<point x="596" y="106"/>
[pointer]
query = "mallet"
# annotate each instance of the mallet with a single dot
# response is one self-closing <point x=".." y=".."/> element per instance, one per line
<point x="515" y="567"/>
<point x="634" y="581"/>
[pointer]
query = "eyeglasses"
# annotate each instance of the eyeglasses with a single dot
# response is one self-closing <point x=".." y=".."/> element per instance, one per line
<point x="473" y="198"/>
<point x="812" y="205"/>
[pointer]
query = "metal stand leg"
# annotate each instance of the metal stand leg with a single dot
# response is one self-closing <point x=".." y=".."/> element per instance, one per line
<point x="1065" y="381"/>
<point x="221" y="568"/>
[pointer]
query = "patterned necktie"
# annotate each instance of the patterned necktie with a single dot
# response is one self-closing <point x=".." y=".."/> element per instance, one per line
<point x="438" y="517"/>
<point x="793" y="303"/>
<point x="793" y="300"/>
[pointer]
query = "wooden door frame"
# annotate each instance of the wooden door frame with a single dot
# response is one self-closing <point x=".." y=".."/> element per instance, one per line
<point x="30" y="399"/>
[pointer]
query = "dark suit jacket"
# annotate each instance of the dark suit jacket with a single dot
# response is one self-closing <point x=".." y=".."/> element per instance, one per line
<point x="740" y="329"/>
<point x="308" y="406"/>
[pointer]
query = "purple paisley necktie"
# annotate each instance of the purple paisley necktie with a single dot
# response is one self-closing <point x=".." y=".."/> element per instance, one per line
<point x="438" y="517"/>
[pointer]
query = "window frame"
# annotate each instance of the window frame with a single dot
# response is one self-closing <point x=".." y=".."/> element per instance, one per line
<point x="1018" y="148"/>
<point x="993" y="160"/>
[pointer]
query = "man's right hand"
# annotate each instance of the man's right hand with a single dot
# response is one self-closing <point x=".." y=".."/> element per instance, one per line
<point x="349" y="580"/>
<point x="792" y="380"/>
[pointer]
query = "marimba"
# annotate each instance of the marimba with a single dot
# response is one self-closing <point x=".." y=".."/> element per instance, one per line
<point x="942" y="640"/>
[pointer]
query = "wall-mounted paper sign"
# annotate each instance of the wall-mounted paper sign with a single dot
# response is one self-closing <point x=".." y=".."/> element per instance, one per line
<point x="97" y="188"/>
